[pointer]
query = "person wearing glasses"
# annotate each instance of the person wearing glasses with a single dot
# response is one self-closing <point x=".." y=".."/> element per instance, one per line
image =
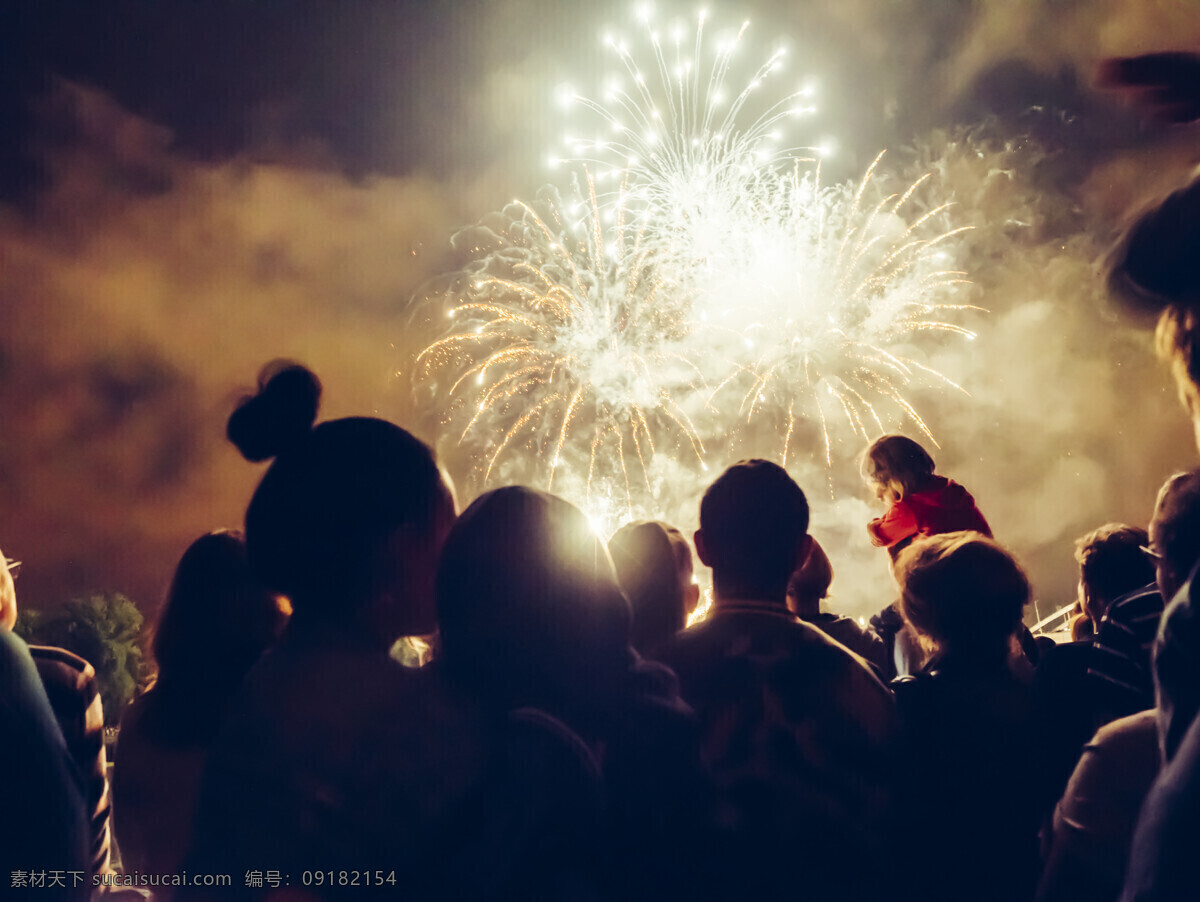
<point x="1094" y="821"/>
<point x="1175" y="548"/>
<point x="1154" y="269"/>
<point x="1076" y="690"/>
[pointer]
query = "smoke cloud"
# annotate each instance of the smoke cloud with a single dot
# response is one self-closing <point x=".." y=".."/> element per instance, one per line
<point x="142" y="288"/>
<point x="141" y="297"/>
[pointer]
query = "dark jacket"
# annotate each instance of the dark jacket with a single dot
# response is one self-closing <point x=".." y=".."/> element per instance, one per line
<point x="532" y="616"/>
<point x="1123" y="647"/>
<point x="971" y="814"/>
<point x="336" y="758"/>
<point x="43" y="819"/>
<point x="70" y="684"/>
<point x="846" y="630"/>
<point x="1162" y="862"/>
<point x="799" y="735"/>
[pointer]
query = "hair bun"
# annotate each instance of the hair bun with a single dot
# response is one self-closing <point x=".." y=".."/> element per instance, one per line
<point x="280" y="415"/>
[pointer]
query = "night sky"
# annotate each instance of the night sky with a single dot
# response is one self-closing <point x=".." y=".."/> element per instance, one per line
<point x="192" y="188"/>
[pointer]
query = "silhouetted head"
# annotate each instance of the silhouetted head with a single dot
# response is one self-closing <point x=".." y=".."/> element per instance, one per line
<point x="1154" y="264"/>
<point x="528" y="603"/>
<point x="1154" y="268"/>
<point x="753" y="531"/>
<point x="962" y="593"/>
<point x="810" y="583"/>
<point x="654" y="567"/>
<point x="896" y="466"/>
<point x="348" y="520"/>
<point x="1175" y="531"/>
<point x="1111" y="563"/>
<point x="217" y="619"/>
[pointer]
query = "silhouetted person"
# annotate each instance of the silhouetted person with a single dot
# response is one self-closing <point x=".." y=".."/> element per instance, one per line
<point x="1095" y="818"/>
<point x="1094" y="821"/>
<point x="333" y="756"/>
<point x="655" y="569"/>
<point x="1175" y="549"/>
<point x="971" y="816"/>
<point x="531" y="616"/>
<point x="71" y="687"/>
<point x="798" y="731"/>
<point x="1154" y="267"/>
<point x="43" y="819"/>
<point x="214" y="625"/>
<point x="1162" y="862"/>
<point x="808" y="587"/>
<point x="1112" y="563"/>
<point x="1073" y="690"/>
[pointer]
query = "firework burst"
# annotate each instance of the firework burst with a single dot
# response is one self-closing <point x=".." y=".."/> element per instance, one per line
<point x="824" y="298"/>
<point x="603" y="336"/>
<point x="566" y="342"/>
<point x="697" y="153"/>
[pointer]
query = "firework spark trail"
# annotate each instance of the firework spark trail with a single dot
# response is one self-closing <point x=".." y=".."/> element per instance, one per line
<point x="716" y="283"/>
<point x="822" y="296"/>
<point x="817" y="275"/>
<point x="695" y="153"/>
<point x="564" y="329"/>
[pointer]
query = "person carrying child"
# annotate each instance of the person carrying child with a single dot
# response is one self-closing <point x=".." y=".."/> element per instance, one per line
<point x="920" y="503"/>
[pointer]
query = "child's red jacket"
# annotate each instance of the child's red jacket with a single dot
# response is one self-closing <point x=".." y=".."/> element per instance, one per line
<point x="943" y="506"/>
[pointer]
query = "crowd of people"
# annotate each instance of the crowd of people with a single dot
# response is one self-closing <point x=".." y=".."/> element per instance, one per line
<point x="572" y="738"/>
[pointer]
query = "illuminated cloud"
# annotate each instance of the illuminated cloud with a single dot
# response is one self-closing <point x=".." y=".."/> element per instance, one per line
<point x="143" y="287"/>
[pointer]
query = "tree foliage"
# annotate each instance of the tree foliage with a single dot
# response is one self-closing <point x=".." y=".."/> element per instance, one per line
<point x="28" y="625"/>
<point x="105" y="630"/>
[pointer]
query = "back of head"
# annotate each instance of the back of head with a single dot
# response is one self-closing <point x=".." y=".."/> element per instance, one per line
<point x="810" y="583"/>
<point x="1175" y="529"/>
<point x="650" y="570"/>
<point x="1111" y="564"/>
<point x="898" y="463"/>
<point x="752" y="519"/>
<point x="963" y="593"/>
<point x="1154" y="268"/>
<point x="1155" y="262"/>
<point x="317" y="526"/>
<point x="215" y="622"/>
<point x="528" y="604"/>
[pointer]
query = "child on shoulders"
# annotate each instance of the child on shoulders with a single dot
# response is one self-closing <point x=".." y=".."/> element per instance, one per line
<point x="920" y="502"/>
